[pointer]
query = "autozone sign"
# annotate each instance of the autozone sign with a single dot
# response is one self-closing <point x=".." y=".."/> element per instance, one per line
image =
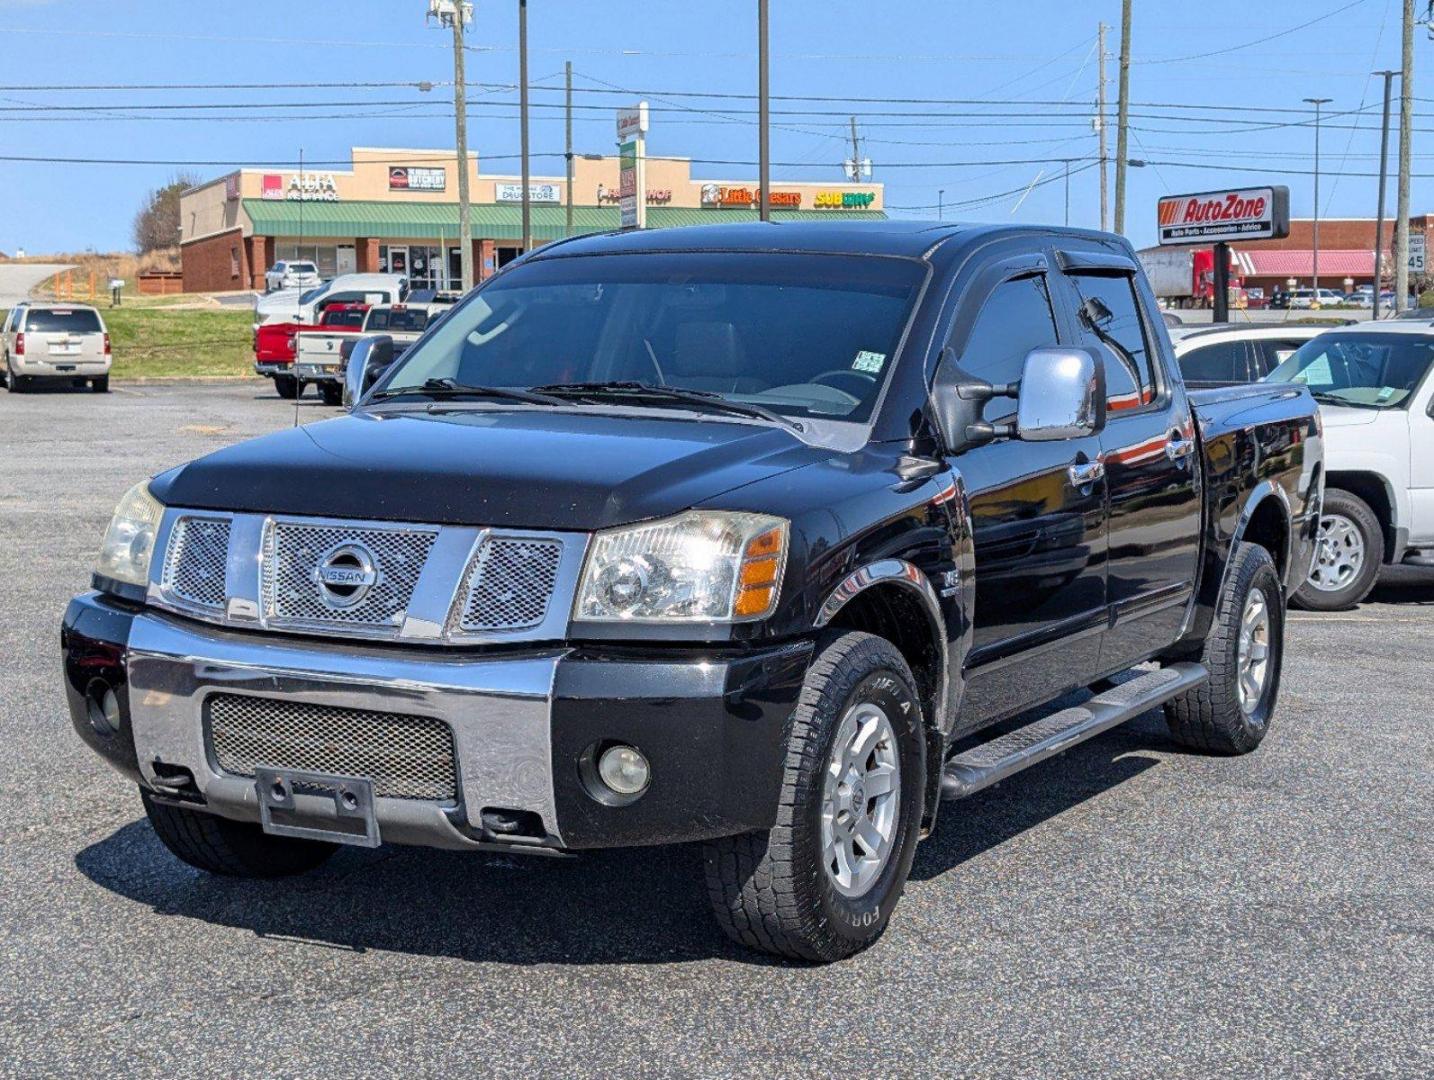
<point x="1217" y="216"/>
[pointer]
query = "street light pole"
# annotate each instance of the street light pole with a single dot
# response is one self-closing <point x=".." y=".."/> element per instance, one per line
<point x="523" y="120"/>
<point x="1067" y="163"/>
<point x="764" y="157"/>
<point x="1318" y="103"/>
<point x="940" y="205"/>
<point x="1383" y="184"/>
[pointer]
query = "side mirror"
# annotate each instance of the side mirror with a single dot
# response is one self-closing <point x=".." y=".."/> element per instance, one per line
<point x="363" y="362"/>
<point x="1062" y="395"/>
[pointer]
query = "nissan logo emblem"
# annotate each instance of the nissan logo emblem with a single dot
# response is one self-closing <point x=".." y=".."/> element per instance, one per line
<point x="345" y="574"/>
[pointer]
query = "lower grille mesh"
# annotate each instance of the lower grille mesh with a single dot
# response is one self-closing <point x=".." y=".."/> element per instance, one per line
<point x="406" y="757"/>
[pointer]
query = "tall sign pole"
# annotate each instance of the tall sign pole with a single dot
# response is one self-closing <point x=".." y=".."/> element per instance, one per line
<point x="632" y="166"/>
<point x="1318" y="103"/>
<point x="1100" y="130"/>
<point x="1406" y="132"/>
<point x="764" y="155"/>
<point x="1383" y="185"/>
<point x="1123" y="121"/>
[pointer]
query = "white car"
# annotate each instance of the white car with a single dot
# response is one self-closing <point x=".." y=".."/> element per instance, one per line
<point x="304" y="307"/>
<point x="1229" y="354"/>
<point x="1305" y="298"/>
<point x="291" y="275"/>
<point x="1374" y="386"/>
<point x="54" y="343"/>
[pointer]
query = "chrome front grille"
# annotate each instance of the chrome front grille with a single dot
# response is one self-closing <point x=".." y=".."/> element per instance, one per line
<point x="406" y="757"/>
<point x="195" y="563"/>
<point x="294" y="596"/>
<point x="509" y="584"/>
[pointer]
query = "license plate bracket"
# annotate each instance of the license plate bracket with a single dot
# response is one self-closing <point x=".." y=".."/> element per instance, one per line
<point x="317" y="806"/>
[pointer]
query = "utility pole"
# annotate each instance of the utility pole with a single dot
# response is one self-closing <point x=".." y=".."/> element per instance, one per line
<point x="764" y="155"/>
<point x="1123" y="123"/>
<point x="456" y="14"/>
<point x="1067" y="163"/>
<point x="1383" y="184"/>
<point x="941" y="205"/>
<point x="1100" y="129"/>
<point x="568" y="146"/>
<point x="523" y="121"/>
<point x="855" y="173"/>
<point x="1406" y="126"/>
<point x="1318" y="103"/>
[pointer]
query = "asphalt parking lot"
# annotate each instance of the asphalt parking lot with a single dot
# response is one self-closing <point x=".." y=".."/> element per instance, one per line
<point x="1127" y="909"/>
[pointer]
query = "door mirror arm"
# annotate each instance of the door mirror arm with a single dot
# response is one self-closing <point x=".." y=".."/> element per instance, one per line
<point x="958" y="400"/>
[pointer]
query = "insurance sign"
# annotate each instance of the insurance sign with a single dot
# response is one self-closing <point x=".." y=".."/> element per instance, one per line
<point x="1213" y="217"/>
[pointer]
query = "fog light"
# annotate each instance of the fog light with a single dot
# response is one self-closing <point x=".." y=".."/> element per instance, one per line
<point x="624" y="769"/>
<point x="102" y="705"/>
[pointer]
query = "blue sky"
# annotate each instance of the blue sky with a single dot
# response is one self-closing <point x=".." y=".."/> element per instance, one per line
<point x="1036" y="57"/>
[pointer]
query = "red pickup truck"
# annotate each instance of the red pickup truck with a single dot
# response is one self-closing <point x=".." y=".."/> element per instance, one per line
<point x="275" y="344"/>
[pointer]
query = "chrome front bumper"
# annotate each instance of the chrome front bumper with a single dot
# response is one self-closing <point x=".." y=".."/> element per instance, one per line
<point x="498" y="708"/>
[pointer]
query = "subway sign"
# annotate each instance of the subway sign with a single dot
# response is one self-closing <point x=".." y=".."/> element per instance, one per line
<point x="1214" y="217"/>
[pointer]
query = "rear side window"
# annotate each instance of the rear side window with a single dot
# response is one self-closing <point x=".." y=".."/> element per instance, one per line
<point x="1273" y="352"/>
<point x="402" y="321"/>
<point x="1110" y="313"/>
<point x="1015" y="319"/>
<point x="63" y="320"/>
<point x="1219" y="362"/>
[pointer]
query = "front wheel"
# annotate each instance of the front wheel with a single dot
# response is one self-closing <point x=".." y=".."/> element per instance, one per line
<point x="821" y="884"/>
<point x="231" y="848"/>
<point x="1230" y="712"/>
<point x="1348" y="553"/>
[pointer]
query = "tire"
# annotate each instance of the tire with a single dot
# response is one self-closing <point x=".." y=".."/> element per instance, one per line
<point x="14" y="384"/>
<point x="286" y="386"/>
<point x="1348" y="555"/>
<point x="100" y="385"/>
<point x="231" y="848"/>
<point x="332" y="393"/>
<point x="1215" y="716"/>
<point x="774" y="890"/>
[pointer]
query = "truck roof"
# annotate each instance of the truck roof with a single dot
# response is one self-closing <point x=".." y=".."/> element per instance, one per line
<point x="911" y="239"/>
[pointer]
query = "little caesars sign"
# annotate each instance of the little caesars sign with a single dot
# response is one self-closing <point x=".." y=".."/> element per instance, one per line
<point x="1216" y="217"/>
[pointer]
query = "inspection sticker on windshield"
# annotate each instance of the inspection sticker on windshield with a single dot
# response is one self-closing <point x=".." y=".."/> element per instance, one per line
<point x="867" y="361"/>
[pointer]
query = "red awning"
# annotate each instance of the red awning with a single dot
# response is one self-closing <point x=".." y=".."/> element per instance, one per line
<point x="1300" y="264"/>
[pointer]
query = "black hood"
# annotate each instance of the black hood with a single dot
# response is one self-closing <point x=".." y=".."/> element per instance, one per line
<point x="548" y="469"/>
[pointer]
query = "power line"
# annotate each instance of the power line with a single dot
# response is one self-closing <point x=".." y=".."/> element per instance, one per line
<point x="1257" y="41"/>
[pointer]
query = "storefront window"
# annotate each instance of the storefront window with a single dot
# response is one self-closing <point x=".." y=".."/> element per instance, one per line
<point x="324" y="256"/>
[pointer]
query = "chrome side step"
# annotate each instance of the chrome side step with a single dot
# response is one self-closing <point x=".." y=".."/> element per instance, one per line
<point x="991" y="762"/>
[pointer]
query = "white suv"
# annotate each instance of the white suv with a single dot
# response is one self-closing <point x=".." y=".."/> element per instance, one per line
<point x="1376" y="394"/>
<point x="291" y="275"/>
<point x="54" y="342"/>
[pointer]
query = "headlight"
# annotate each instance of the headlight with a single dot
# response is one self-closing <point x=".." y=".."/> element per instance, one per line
<point x="129" y="541"/>
<point x="701" y="566"/>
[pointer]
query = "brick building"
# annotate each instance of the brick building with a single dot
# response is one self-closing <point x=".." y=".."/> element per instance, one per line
<point x="1346" y="254"/>
<point x="396" y="211"/>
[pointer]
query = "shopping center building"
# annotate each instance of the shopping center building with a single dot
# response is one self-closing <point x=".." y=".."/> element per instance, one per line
<point x="396" y="210"/>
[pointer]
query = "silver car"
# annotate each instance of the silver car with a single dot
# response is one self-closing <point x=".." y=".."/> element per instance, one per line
<point x="54" y="342"/>
<point x="286" y="274"/>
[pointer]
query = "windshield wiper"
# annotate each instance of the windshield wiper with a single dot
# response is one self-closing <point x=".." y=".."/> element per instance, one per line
<point x="447" y="387"/>
<point x="699" y="399"/>
<point x="1335" y="399"/>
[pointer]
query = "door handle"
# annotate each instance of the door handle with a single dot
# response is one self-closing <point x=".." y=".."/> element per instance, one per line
<point x="1083" y="473"/>
<point x="1177" y="446"/>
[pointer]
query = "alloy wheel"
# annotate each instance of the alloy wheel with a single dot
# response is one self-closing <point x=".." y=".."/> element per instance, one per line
<point x="861" y="800"/>
<point x="1339" y="553"/>
<point x="1252" y="653"/>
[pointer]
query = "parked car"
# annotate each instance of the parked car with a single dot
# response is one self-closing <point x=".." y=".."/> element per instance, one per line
<point x="304" y="307"/>
<point x="1372" y="382"/>
<point x="55" y="343"/>
<point x="316" y="349"/>
<point x="399" y="326"/>
<point x="291" y="275"/>
<point x="1228" y="355"/>
<point x="738" y="535"/>
<point x="1305" y="298"/>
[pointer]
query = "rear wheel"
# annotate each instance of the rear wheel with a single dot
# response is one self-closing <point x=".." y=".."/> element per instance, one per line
<point x="15" y="384"/>
<point x="1349" y="551"/>
<point x="332" y="393"/>
<point x="822" y="882"/>
<point x="100" y="385"/>
<point x="286" y="386"/>
<point x="231" y="848"/>
<point x="1230" y="712"/>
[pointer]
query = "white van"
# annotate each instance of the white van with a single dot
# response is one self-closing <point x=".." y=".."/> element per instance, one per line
<point x="55" y="342"/>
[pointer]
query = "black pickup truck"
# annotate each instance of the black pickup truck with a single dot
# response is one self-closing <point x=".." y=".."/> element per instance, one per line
<point x="769" y="537"/>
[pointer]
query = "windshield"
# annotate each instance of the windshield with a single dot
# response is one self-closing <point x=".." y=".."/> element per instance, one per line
<point x="61" y="320"/>
<point x="1370" y="370"/>
<point x="303" y="268"/>
<point x="801" y="335"/>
